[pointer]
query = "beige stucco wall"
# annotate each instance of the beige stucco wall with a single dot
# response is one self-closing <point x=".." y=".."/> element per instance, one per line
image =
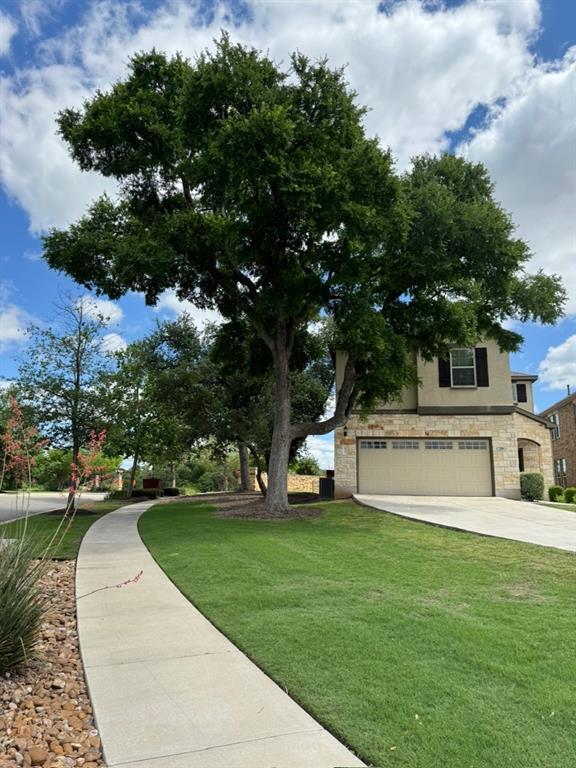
<point x="498" y="393"/>
<point x="430" y="394"/>
<point x="529" y="405"/>
<point x="503" y="430"/>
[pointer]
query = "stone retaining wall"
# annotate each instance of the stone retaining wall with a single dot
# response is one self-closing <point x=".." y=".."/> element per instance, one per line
<point x="296" y="483"/>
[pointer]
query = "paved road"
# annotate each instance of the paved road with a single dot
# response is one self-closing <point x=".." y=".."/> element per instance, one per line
<point x="506" y="518"/>
<point x="168" y="689"/>
<point x="13" y="507"/>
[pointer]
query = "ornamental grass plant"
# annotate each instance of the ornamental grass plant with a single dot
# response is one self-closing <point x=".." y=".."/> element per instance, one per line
<point x="22" y="600"/>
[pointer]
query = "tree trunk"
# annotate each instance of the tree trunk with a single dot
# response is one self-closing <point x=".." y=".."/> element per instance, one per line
<point x="277" y="493"/>
<point x="244" y="467"/>
<point x="173" y="473"/>
<point x="133" y="469"/>
<point x="73" y="487"/>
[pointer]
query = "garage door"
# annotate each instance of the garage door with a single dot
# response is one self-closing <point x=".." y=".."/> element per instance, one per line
<point x="424" y="467"/>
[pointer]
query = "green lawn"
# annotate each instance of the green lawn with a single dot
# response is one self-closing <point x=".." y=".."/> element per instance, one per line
<point x="567" y="507"/>
<point x="41" y="528"/>
<point x="417" y="646"/>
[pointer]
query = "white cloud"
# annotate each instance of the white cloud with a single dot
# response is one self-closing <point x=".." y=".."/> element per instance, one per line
<point x="102" y="308"/>
<point x="322" y="448"/>
<point x="421" y="67"/>
<point x="13" y="323"/>
<point x="421" y="71"/>
<point x="35" y="12"/>
<point x="113" y="342"/>
<point x="8" y="29"/>
<point x="559" y="366"/>
<point x="529" y="148"/>
<point x="32" y="255"/>
<point x="170" y="303"/>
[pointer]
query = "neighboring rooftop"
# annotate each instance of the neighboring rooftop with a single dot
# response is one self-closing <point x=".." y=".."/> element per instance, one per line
<point x="560" y="404"/>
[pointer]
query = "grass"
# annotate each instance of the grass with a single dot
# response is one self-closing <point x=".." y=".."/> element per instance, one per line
<point x="417" y="646"/>
<point x="41" y="528"/>
<point x="556" y="505"/>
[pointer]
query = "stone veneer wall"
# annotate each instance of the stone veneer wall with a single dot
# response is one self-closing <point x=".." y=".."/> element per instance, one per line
<point x="504" y="430"/>
<point x="528" y="429"/>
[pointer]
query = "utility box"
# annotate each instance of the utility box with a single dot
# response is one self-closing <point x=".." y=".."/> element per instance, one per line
<point x="326" y="487"/>
<point x="149" y="483"/>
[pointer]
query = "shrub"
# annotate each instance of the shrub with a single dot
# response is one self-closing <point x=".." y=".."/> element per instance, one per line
<point x="555" y="493"/>
<point x="210" y="481"/>
<point x="117" y="495"/>
<point x="570" y="495"/>
<point x="147" y="493"/>
<point x="532" y="486"/>
<point x="21" y="601"/>
<point x="171" y="492"/>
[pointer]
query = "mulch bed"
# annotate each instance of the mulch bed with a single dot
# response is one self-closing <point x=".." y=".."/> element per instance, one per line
<point x="45" y="713"/>
<point x="251" y="506"/>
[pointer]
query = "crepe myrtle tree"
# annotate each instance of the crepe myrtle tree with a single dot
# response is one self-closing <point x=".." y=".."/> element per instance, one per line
<point x="254" y="190"/>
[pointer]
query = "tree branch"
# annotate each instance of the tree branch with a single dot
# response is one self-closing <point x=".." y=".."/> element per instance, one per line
<point x="344" y="402"/>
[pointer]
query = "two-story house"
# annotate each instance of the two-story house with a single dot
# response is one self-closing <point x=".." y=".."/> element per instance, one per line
<point x="562" y="416"/>
<point x="467" y="429"/>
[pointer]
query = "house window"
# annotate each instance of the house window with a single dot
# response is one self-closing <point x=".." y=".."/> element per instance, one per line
<point x="405" y="444"/>
<point x="560" y="472"/>
<point x="553" y="418"/>
<point x="463" y="368"/>
<point x="373" y="444"/>
<point x="472" y="445"/>
<point x="519" y="392"/>
<point x="438" y="445"/>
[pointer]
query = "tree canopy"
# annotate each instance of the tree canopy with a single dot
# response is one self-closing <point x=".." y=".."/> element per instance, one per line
<point x="255" y="191"/>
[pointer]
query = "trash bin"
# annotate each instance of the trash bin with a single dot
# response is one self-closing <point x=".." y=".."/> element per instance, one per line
<point x="326" y="487"/>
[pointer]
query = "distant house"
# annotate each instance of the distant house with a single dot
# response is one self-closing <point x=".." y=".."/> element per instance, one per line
<point x="469" y="429"/>
<point x="562" y="417"/>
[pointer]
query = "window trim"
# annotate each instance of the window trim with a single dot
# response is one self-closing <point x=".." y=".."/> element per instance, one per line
<point x="473" y="366"/>
<point x="515" y="398"/>
<point x="555" y="420"/>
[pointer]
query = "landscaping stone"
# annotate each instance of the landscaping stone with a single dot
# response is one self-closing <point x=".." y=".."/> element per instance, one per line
<point x="45" y="713"/>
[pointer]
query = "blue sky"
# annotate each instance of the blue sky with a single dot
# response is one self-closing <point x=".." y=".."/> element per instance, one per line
<point x="494" y="81"/>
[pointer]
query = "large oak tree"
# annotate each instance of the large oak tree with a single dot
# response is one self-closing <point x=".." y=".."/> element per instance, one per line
<point x="254" y="190"/>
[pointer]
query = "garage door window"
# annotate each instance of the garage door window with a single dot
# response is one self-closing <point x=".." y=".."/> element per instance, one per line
<point x="473" y="445"/>
<point x="405" y="444"/>
<point x="373" y="444"/>
<point x="438" y="445"/>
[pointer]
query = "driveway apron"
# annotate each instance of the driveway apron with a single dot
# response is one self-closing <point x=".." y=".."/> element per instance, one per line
<point x="490" y="516"/>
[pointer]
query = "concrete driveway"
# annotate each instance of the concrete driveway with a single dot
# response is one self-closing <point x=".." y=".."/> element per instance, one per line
<point x="13" y="507"/>
<point x="490" y="516"/>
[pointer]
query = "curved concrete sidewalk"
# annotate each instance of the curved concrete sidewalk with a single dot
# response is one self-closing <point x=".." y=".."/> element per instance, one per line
<point x="168" y="689"/>
<point x="487" y="515"/>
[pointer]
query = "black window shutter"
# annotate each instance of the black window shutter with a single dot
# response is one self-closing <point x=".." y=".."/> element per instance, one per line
<point x="482" y="379"/>
<point x="521" y="392"/>
<point x="443" y="373"/>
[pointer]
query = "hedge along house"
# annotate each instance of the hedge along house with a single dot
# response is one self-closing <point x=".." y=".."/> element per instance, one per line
<point x="468" y="429"/>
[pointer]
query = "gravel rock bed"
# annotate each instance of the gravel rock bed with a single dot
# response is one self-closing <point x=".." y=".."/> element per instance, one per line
<point x="45" y="713"/>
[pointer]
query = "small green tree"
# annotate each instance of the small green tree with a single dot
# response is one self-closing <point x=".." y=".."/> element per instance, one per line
<point x="60" y="375"/>
<point x="306" y="465"/>
<point x="255" y="191"/>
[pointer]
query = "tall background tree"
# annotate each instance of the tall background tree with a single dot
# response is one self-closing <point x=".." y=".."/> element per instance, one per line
<point x="60" y="375"/>
<point x="254" y="190"/>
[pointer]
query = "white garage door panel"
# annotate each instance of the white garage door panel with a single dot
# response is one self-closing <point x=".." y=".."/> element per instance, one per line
<point x="424" y="467"/>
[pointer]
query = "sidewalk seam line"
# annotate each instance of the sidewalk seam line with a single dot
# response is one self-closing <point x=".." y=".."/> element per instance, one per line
<point x="218" y="746"/>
